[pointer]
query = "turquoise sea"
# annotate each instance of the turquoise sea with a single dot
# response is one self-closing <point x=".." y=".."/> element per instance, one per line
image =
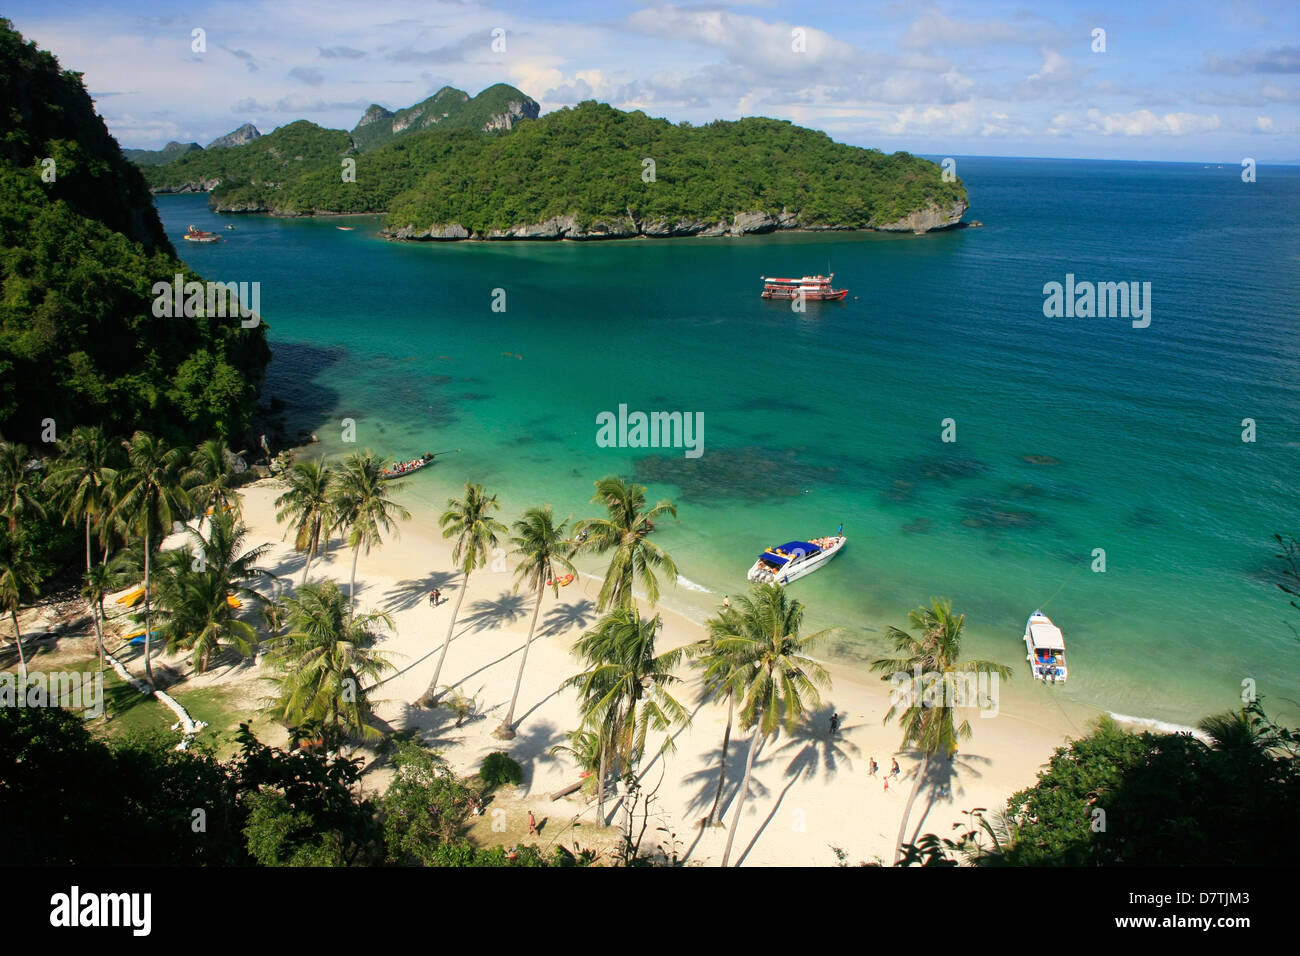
<point x="1073" y="434"/>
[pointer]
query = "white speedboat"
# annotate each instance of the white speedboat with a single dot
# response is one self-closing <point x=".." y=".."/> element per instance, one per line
<point x="1045" y="649"/>
<point x="794" y="559"/>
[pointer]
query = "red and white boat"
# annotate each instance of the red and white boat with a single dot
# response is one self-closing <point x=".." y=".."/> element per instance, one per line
<point x="198" y="235"/>
<point x="816" y="288"/>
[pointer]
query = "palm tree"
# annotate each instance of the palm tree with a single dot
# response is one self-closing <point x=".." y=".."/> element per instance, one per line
<point x="308" y="504"/>
<point x="625" y="533"/>
<point x="624" y="691"/>
<point x="17" y="487"/>
<point x="100" y="580"/>
<point x="780" y="682"/>
<point x="211" y="479"/>
<point x="930" y="660"/>
<point x="544" y="554"/>
<point x="195" y="596"/>
<point x="149" y="497"/>
<point x="470" y="522"/>
<point x="80" y="478"/>
<point x="725" y="678"/>
<point x="19" y="578"/>
<point x="323" y="659"/>
<point x="364" y="508"/>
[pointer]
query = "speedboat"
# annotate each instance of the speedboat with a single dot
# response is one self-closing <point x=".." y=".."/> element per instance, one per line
<point x="1045" y="649"/>
<point x="787" y="562"/>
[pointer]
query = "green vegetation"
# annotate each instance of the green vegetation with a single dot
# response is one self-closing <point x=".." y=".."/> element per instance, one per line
<point x="584" y="162"/>
<point x="500" y="769"/>
<point x="81" y="247"/>
<point x="157" y="157"/>
<point x="447" y="109"/>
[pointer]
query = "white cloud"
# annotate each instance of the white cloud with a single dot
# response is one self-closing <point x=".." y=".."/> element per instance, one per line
<point x="1135" y="123"/>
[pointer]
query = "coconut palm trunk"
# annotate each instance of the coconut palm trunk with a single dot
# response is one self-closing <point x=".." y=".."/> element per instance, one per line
<point x="352" y="584"/>
<point x="600" y="781"/>
<point x="18" y="639"/>
<point x="311" y="550"/>
<point x="744" y="792"/>
<point x="148" y="619"/>
<point x="431" y="694"/>
<point x="907" y="810"/>
<point x="507" y="729"/>
<point x="722" y="764"/>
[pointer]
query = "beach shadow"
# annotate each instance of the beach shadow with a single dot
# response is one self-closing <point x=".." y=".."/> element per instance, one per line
<point x="813" y="752"/>
<point x="407" y="594"/>
<point x="506" y="608"/>
<point x="941" y="783"/>
<point x="563" y="617"/>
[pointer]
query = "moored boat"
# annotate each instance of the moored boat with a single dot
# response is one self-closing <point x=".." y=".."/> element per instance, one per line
<point x="816" y="288"/>
<point x="199" y="235"/>
<point x="792" y="560"/>
<point x="408" y="467"/>
<point x="1045" y="649"/>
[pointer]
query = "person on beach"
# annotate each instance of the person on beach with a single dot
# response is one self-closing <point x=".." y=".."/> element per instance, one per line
<point x="886" y="779"/>
<point x="532" y="824"/>
<point x="835" y="724"/>
<point x="871" y="771"/>
<point x="895" y="770"/>
<point x="726" y="601"/>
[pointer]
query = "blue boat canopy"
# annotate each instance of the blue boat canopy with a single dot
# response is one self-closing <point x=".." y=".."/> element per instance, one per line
<point x="781" y="555"/>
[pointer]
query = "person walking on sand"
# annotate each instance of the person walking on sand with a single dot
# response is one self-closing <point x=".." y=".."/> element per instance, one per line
<point x="895" y="770"/>
<point x="886" y="779"/>
<point x="835" y="723"/>
<point x="532" y="824"/>
<point x="871" y="770"/>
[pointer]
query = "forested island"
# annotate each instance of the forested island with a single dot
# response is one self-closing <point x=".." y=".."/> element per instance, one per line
<point x="485" y="168"/>
<point x="81" y="246"/>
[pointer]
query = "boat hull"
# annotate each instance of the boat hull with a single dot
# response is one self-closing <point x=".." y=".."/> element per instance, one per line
<point x="760" y="575"/>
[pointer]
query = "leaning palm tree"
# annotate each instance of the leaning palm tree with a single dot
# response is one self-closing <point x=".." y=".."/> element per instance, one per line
<point x="929" y="660"/>
<point x="624" y="693"/>
<point x="544" y="553"/>
<point x="19" y="578"/>
<point x="625" y="532"/>
<point x="321" y="662"/>
<point x="781" y="684"/>
<point x="469" y="520"/>
<point x="80" y="478"/>
<point x="18" y="498"/>
<point x="212" y="479"/>
<point x="198" y="594"/>
<point x="725" y="678"/>
<point x="362" y="504"/>
<point x="307" y="504"/>
<point x="149" y="497"/>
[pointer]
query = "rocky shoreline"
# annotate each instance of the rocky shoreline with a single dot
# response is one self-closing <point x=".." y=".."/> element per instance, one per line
<point x="932" y="218"/>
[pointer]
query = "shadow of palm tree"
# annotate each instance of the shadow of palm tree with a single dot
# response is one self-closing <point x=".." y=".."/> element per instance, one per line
<point x="505" y="608"/>
<point x="562" y="617"/>
<point x="941" y="781"/>
<point x="813" y="750"/>
<point x="407" y="594"/>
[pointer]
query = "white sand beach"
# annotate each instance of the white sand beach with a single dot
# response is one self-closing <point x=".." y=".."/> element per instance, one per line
<point x="811" y="792"/>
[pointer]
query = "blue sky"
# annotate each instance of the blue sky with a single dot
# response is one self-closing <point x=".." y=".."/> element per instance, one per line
<point x="1177" y="80"/>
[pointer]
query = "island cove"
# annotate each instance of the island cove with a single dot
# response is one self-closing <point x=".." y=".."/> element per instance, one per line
<point x="587" y="172"/>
